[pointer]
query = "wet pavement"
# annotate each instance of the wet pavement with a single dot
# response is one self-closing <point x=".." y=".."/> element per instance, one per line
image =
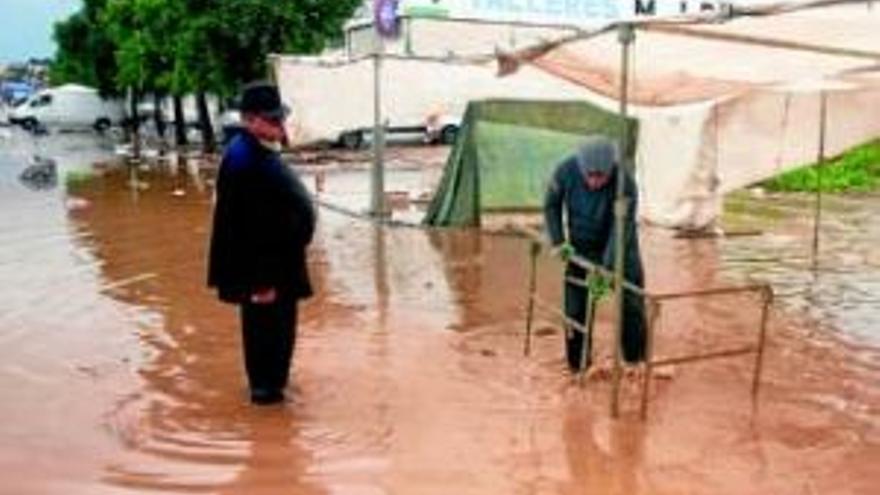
<point x="840" y="288"/>
<point x="120" y="372"/>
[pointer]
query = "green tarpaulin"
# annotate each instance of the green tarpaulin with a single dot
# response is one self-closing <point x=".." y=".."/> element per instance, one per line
<point x="505" y="153"/>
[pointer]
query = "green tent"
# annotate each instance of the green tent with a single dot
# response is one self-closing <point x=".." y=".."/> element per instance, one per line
<point x="506" y="151"/>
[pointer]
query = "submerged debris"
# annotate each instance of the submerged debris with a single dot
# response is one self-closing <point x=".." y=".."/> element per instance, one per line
<point x="41" y="174"/>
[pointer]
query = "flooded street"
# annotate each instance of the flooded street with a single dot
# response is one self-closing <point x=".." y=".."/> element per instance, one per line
<point x="842" y="289"/>
<point x="121" y="373"/>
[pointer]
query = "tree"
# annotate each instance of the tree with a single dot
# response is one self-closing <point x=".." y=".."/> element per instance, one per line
<point x="86" y="53"/>
<point x="197" y="69"/>
<point x="181" y="47"/>
<point x="139" y="29"/>
<point x="252" y="30"/>
<point x="227" y="42"/>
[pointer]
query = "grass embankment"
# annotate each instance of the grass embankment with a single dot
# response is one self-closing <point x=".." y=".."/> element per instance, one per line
<point x="857" y="170"/>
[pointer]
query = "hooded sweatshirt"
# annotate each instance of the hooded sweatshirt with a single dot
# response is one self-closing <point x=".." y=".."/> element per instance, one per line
<point x="590" y="213"/>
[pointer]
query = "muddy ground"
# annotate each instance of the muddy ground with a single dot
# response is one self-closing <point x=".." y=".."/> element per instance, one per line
<point x="121" y="373"/>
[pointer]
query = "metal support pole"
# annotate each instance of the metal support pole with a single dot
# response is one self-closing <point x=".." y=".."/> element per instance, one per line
<point x="653" y="316"/>
<point x="626" y="36"/>
<point x="377" y="203"/>
<point x="762" y="340"/>
<point x="408" y="36"/>
<point x="586" y="357"/>
<point x="534" y="248"/>
<point x="820" y="164"/>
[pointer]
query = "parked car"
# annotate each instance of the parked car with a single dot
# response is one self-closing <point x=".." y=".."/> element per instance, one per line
<point x="13" y="92"/>
<point x="436" y="130"/>
<point x="68" y="107"/>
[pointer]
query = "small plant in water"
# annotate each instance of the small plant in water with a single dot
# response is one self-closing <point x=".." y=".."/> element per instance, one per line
<point x="75" y="178"/>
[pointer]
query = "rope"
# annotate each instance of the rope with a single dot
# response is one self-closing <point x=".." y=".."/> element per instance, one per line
<point x="392" y="223"/>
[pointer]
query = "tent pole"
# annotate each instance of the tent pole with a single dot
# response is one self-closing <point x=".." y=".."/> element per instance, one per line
<point x="534" y="251"/>
<point x="626" y="36"/>
<point x="820" y="163"/>
<point x="377" y="204"/>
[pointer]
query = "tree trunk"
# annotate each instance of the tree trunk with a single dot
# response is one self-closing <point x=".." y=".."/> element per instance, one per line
<point x="158" y="115"/>
<point x="135" y="123"/>
<point x="209" y="141"/>
<point x="159" y="122"/>
<point x="179" y="122"/>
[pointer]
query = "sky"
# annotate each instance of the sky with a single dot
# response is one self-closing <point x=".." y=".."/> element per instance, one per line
<point x="27" y="30"/>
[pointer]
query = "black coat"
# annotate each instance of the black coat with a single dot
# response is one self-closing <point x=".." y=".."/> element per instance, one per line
<point x="263" y="221"/>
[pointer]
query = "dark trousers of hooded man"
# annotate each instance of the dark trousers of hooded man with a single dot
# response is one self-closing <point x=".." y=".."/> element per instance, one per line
<point x="578" y="190"/>
<point x="263" y="222"/>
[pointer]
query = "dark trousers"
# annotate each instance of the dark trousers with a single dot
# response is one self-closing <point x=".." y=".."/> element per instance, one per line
<point x="268" y="335"/>
<point x="577" y="299"/>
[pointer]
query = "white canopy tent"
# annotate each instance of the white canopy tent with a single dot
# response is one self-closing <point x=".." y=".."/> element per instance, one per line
<point x="724" y="106"/>
<point x="768" y="85"/>
<point x="720" y="106"/>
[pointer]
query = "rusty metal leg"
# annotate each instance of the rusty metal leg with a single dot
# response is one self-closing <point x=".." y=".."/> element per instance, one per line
<point x="762" y="340"/>
<point x="534" y="250"/>
<point x="587" y="346"/>
<point x="654" y="310"/>
<point x="617" y="371"/>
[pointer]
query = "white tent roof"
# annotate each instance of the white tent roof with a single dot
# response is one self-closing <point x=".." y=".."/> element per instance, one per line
<point x="714" y="114"/>
<point x="676" y="64"/>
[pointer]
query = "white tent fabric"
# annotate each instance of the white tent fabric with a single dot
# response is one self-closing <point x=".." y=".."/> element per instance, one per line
<point x="329" y="98"/>
<point x="715" y="115"/>
<point x="689" y="156"/>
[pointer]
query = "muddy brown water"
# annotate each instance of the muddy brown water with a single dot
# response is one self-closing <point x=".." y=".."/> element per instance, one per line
<point x="120" y="372"/>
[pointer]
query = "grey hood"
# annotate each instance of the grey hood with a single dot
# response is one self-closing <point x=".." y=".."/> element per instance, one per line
<point x="598" y="154"/>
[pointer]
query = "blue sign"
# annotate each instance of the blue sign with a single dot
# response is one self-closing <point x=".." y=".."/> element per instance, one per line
<point x="385" y="18"/>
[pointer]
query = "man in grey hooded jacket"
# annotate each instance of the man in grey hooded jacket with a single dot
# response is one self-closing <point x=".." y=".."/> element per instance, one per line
<point x="584" y="187"/>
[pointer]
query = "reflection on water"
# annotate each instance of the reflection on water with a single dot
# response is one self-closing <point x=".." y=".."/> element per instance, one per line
<point x="842" y="290"/>
<point x="408" y="374"/>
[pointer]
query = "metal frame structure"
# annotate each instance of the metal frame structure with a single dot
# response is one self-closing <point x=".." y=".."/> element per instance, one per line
<point x="655" y="305"/>
<point x="626" y="37"/>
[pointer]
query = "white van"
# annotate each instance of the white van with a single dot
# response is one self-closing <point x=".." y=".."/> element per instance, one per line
<point x="67" y="107"/>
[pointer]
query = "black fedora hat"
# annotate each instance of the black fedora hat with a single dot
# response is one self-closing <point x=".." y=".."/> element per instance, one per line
<point x="263" y="98"/>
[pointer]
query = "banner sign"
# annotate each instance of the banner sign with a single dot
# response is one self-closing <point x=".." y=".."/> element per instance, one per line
<point x="556" y="12"/>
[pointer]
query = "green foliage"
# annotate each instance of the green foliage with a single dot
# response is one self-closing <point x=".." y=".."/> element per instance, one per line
<point x="857" y="170"/>
<point x="144" y="53"/>
<point x="183" y="46"/>
<point x="241" y="35"/>
<point x="199" y="60"/>
<point x="86" y="53"/>
<point x="75" y="178"/>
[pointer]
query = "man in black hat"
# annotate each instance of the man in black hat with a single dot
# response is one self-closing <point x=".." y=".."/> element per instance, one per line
<point x="263" y="221"/>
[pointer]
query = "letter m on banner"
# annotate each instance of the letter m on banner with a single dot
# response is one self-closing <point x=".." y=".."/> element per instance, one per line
<point x="646" y="7"/>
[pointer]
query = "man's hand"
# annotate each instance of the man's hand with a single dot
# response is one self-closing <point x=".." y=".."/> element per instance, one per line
<point x="564" y="251"/>
<point x="599" y="286"/>
<point x="264" y="296"/>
